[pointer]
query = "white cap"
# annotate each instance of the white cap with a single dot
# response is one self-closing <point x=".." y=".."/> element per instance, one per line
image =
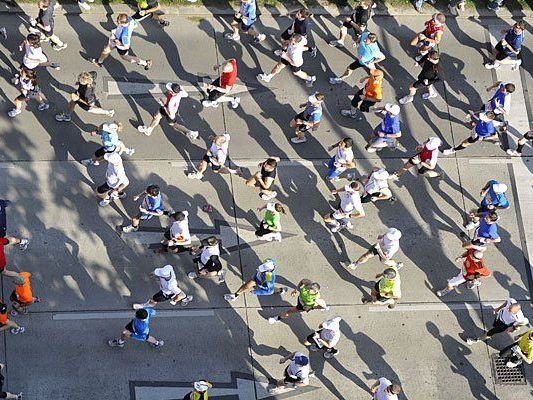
<point x="348" y="188"/>
<point x="393" y="234"/>
<point x="394" y="109"/>
<point x="499" y="188"/>
<point x="111" y="128"/>
<point x="165" y="272"/>
<point x="113" y="158"/>
<point x="332" y="324"/>
<point x="381" y="174"/>
<point x="268" y="265"/>
<point x="271" y="206"/>
<point x="433" y="143"/>
<point x="201" y="386"/>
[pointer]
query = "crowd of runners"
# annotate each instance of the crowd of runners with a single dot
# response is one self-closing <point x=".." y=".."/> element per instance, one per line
<point x="487" y="123"/>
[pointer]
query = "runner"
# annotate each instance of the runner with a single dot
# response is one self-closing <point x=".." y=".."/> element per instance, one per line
<point x="367" y="97"/>
<point x="169" y="289"/>
<point x="385" y="248"/>
<point x="270" y="226"/>
<point x="500" y="102"/>
<point x="27" y="85"/>
<point x="218" y="91"/>
<point x="386" y="133"/>
<point x="309" y="119"/>
<point x="326" y="337"/>
<point x="487" y="231"/>
<point x="6" y="395"/>
<point x="138" y="329"/>
<point x="472" y="271"/>
<point x="492" y="197"/>
<point x="508" y="318"/>
<point x="177" y="238"/>
<point x="508" y="49"/>
<point x="33" y="54"/>
<point x="293" y="58"/>
<point x="387" y="290"/>
<point x="430" y="36"/>
<point x="169" y="110"/>
<point x="308" y="293"/>
<point x="299" y="26"/>
<point x="23" y="245"/>
<point x="116" y="180"/>
<point x="383" y="389"/>
<point x="368" y="55"/>
<point x="110" y="143"/>
<point x="425" y="160"/>
<point x="522" y="350"/>
<point x="44" y="24"/>
<point x="149" y="9"/>
<point x="85" y="98"/>
<point x="22" y="296"/>
<point x="349" y="207"/>
<point x="296" y="374"/>
<point x="121" y="40"/>
<point x="482" y="130"/>
<point x="342" y="160"/>
<point x="200" y="390"/>
<point x="264" y="179"/>
<point x="217" y="157"/>
<point x="521" y="143"/>
<point x="262" y="283"/>
<point x="208" y="263"/>
<point x="245" y="18"/>
<point x="6" y="323"/>
<point x="376" y="187"/>
<point x="358" y="21"/>
<point x="151" y="206"/>
<point x="429" y="75"/>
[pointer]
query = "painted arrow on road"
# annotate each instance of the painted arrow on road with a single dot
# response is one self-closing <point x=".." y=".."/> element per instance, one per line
<point x="241" y="387"/>
<point x="234" y="236"/>
<point x="123" y="86"/>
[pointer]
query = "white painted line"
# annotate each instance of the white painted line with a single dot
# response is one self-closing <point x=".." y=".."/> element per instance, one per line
<point x="253" y="163"/>
<point x="67" y="316"/>
<point x="125" y="88"/>
<point x="433" y="307"/>
<point x="6" y="165"/>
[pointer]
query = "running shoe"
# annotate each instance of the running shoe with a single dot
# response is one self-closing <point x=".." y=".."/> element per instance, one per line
<point x="115" y="343"/>
<point x="63" y="117"/>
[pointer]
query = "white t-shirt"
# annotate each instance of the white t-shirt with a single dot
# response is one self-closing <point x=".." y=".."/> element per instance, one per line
<point x="297" y="371"/>
<point x="380" y="394"/>
<point x="509" y="318"/>
<point x="209" y="251"/>
<point x="374" y="185"/>
<point x="220" y="152"/>
<point x="33" y="56"/>
<point x="331" y="336"/>
<point x="115" y="175"/>
<point x="343" y="156"/>
<point x="169" y="287"/>
<point x="350" y="200"/>
<point x="389" y="247"/>
<point x="295" y="53"/>
<point x="173" y="102"/>
<point x="181" y="228"/>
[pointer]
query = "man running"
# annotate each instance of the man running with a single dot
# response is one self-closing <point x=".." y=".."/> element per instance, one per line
<point x="296" y="374"/>
<point x="472" y="271"/>
<point x="376" y="186"/>
<point x="116" y="180"/>
<point x="519" y="351"/>
<point x="217" y="157"/>
<point x="22" y="296"/>
<point x="6" y="395"/>
<point x="22" y="244"/>
<point x="500" y="102"/>
<point x="121" y="40"/>
<point x="383" y="389"/>
<point x="386" y="133"/>
<point x="110" y="143"/>
<point x="293" y="58"/>
<point x="245" y="19"/>
<point x="138" y="329"/>
<point x="6" y="323"/>
<point x="308" y="293"/>
<point x="387" y="290"/>
<point x="151" y="206"/>
<point x="309" y="119"/>
<point x="200" y="390"/>
<point x="270" y="226"/>
<point x="208" y="262"/>
<point x="218" y="91"/>
<point x="326" y="337"/>
<point x="44" y="24"/>
<point x="486" y="232"/>
<point x="342" y="160"/>
<point x="169" y="289"/>
<point x="430" y="36"/>
<point x="349" y="207"/>
<point x="29" y="89"/>
<point x="169" y="109"/>
<point x="520" y="145"/>
<point x="262" y="284"/>
<point x="385" y="248"/>
<point x="299" y="26"/>
<point x="508" y="318"/>
<point x="425" y="160"/>
<point x="429" y="75"/>
<point x="177" y="238"/>
<point x="508" y="49"/>
<point x="33" y="54"/>
<point x="492" y="198"/>
<point x="367" y="97"/>
<point x="149" y="9"/>
<point x="368" y="55"/>
<point x="264" y="179"/>
<point x="358" y="21"/>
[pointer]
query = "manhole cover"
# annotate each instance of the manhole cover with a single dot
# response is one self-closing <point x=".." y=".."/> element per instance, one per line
<point x="503" y="375"/>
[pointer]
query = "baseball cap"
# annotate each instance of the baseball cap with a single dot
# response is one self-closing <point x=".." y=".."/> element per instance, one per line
<point x="301" y="360"/>
<point x="381" y="174"/>
<point x="433" y="143"/>
<point x="389" y="273"/>
<point x="332" y="323"/>
<point x="111" y="128"/>
<point x="164" y="272"/>
<point x="113" y="158"/>
<point x="268" y="265"/>
<point x="394" y="109"/>
<point x="201" y="386"/>
<point x="271" y="206"/>
<point x="500" y="188"/>
<point x="174" y="87"/>
<point x="393" y="234"/>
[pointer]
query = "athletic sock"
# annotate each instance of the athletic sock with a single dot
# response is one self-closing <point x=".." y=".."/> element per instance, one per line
<point x="519" y="148"/>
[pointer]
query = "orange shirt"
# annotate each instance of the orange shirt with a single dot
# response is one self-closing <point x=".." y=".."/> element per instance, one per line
<point x="24" y="293"/>
<point x="373" y="88"/>
<point x="3" y="318"/>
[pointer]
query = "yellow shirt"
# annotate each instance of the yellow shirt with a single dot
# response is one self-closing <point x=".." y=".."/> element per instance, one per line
<point x="526" y="345"/>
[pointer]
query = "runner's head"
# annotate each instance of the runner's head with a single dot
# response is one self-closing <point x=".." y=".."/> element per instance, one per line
<point x="433" y="57"/>
<point x="179" y="216"/>
<point x="439" y="18"/>
<point x="303" y="13"/>
<point x="173" y="87"/>
<point x="277" y="207"/>
<point x="113" y="127"/>
<point x="346" y="143"/>
<point x="29" y="74"/>
<point x="228" y="66"/>
<point x="519" y="26"/>
<point x="393" y="234"/>
<point x="515" y="308"/>
<point x="390" y="273"/>
<point x="268" y="265"/>
<point x="220" y="140"/>
<point x="141" y="314"/>
<point x="301" y="360"/>
<point x="499" y="188"/>
<point x="270" y="164"/>
<point x="43" y="4"/>
<point x="491" y="217"/>
<point x="85" y="78"/>
<point x="394" y="389"/>
<point x="353" y="186"/>
<point x="313" y="288"/>
<point x="113" y="158"/>
<point x="486" y="116"/>
<point x="202" y="386"/>
<point x="166" y="272"/>
<point x="152" y="190"/>
<point x="433" y="143"/>
<point x="34" y="40"/>
<point x="122" y="19"/>
<point x="296" y="38"/>
<point x="478" y="255"/>
<point x="365" y="4"/>
<point x="316" y="98"/>
<point x="509" y="88"/>
<point x="392" y="109"/>
<point x="377" y="74"/>
<point x="332" y="324"/>
<point x="371" y="38"/>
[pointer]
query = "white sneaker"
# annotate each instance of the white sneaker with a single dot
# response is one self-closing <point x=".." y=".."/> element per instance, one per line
<point x="427" y="96"/>
<point x="14" y="112"/>
<point x="273" y="320"/>
<point x="335" y="80"/>
<point x="513" y="153"/>
<point x="144" y="129"/>
<point x="186" y="300"/>
<point x="193" y="135"/>
<point x="310" y="80"/>
<point x="511" y="364"/>
<point x="230" y="297"/>
<point x="278" y="52"/>
<point x="110" y="113"/>
<point x="349" y="113"/>
<point x="87" y="162"/>
<point x="235" y="103"/>
<point x="336" y="228"/>
<point x="471" y="341"/>
<point x="277" y="236"/>
<point x="104" y="202"/>
<point x="489" y="65"/>
<point x="406" y="99"/>
<point x="129" y="152"/>
<point x="297" y="140"/>
<point x="130" y="228"/>
<point x="232" y="36"/>
<point x="43" y="106"/>
<point x="195" y="175"/>
<point x="349" y="225"/>
<point x="192" y="275"/>
<point x="419" y="57"/>
<point x="59" y="48"/>
<point x="336" y="43"/>
<point x="516" y="65"/>
<point x="260" y="38"/>
<point x="394" y="177"/>
<point x="84" y="6"/>
<point x="138" y="306"/>
<point x="353" y="265"/>
<point x="222" y="276"/>
<point x="264" y="77"/>
<point x="448" y="152"/>
<point x="471" y="225"/>
<point x="23" y="245"/>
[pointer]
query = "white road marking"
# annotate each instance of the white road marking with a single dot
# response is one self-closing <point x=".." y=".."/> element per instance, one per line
<point x="72" y="316"/>
<point x="125" y="88"/>
<point x="434" y="307"/>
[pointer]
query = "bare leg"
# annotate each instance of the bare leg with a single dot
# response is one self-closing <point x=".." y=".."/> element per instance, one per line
<point x="346" y="74"/>
<point x="104" y="54"/>
<point x="100" y="111"/>
<point x="134" y="60"/>
<point x="302" y="74"/>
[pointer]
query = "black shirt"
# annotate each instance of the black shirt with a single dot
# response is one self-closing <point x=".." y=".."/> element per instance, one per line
<point x="429" y="71"/>
<point x="301" y="26"/>
<point x="267" y="174"/>
<point x="361" y="15"/>
<point x="46" y="17"/>
<point x="86" y="93"/>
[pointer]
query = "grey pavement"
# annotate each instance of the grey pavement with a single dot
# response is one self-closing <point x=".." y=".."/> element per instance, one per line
<point x="89" y="275"/>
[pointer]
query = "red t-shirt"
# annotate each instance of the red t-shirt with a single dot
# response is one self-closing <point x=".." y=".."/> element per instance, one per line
<point x="229" y="78"/>
<point x="3" y="261"/>
<point x="473" y="266"/>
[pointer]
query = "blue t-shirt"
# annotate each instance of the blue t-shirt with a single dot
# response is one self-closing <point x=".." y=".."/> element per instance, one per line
<point x="497" y="200"/>
<point x="109" y="140"/>
<point x="500" y="96"/>
<point x="390" y="124"/>
<point x="486" y="230"/>
<point x="313" y="112"/>
<point x="264" y="282"/>
<point x="151" y="203"/>
<point x="515" y="40"/>
<point x="141" y="328"/>
<point x="484" y="129"/>
<point x="368" y="52"/>
<point x="249" y="11"/>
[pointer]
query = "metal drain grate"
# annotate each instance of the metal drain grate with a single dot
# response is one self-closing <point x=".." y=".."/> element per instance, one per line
<point x="503" y="375"/>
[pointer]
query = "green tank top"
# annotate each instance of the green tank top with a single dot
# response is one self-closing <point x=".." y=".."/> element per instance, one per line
<point x="308" y="299"/>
